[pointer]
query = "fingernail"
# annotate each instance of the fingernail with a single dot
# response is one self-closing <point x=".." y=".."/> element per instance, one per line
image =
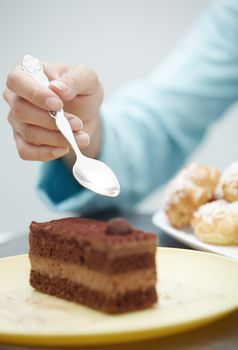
<point x="59" y="84"/>
<point x="53" y="103"/>
<point x="75" y="124"/>
<point x="59" y="152"/>
<point x="82" y="139"/>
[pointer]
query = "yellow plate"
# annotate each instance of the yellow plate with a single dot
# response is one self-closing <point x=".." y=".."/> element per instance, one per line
<point x="195" y="288"/>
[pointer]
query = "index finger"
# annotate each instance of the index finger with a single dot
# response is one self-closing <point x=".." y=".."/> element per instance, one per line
<point x="24" y="85"/>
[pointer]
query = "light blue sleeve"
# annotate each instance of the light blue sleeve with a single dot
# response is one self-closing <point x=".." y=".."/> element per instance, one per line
<point x="152" y="124"/>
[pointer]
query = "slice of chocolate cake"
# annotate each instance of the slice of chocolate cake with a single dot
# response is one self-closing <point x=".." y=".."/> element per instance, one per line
<point x="107" y="266"/>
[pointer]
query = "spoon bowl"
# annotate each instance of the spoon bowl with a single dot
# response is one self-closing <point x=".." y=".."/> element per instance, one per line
<point x="96" y="176"/>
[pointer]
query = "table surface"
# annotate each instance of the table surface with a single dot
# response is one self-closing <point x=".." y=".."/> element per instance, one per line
<point x="220" y="335"/>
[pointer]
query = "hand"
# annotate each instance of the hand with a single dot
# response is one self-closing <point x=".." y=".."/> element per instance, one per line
<point x="76" y="89"/>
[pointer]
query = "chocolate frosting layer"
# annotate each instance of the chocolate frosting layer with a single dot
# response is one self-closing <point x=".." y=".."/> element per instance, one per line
<point x="89" y="229"/>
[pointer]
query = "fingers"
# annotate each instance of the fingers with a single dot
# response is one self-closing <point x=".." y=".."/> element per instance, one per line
<point x="80" y="80"/>
<point x="81" y="92"/>
<point x="82" y="139"/>
<point x="28" y="113"/>
<point x="25" y="112"/>
<point x="24" y="85"/>
<point x="29" y="151"/>
<point x="40" y="136"/>
<point x="55" y="70"/>
<point x="40" y="153"/>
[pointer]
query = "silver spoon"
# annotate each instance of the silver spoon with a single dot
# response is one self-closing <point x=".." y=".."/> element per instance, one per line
<point x="90" y="173"/>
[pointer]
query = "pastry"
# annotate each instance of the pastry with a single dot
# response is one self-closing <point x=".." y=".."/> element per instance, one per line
<point x="217" y="223"/>
<point x="228" y="185"/>
<point x="106" y="266"/>
<point x="192" y="187"/>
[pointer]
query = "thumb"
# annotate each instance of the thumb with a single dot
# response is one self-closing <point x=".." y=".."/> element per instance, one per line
<point x="80" y="80"/>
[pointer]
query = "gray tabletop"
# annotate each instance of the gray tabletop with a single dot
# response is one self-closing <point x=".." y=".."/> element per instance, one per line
<point x="220" y="335"/>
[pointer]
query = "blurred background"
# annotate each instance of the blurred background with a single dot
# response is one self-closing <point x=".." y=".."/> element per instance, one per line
<point x="120" y="39"/>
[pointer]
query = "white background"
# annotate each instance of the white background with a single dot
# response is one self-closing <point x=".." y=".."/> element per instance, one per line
<point x="121" y="39"/>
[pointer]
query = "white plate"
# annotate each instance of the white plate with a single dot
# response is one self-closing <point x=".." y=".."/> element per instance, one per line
<point x="187" y="237"/>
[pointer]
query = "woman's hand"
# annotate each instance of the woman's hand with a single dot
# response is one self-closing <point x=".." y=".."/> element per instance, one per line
<point x="76" y="89"/>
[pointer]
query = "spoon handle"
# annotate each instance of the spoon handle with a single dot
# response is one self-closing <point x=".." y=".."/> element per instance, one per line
<point x="65" y="129"/>
<point x="34" y="67"/>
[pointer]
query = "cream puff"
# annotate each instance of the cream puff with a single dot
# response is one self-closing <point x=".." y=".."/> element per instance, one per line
<point x="192" y="187"/>
<point x="217" y="223"/>
<point x="228" y="185"/>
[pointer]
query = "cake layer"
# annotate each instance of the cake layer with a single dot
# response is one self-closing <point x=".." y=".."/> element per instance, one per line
<point x="64" y="288"/>
<point x="110" y="284"/>
<point x="91" y="232"/>
<point x="127" y="256"/>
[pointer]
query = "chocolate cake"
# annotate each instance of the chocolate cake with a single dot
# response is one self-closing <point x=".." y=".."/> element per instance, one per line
<point x="107" y="266"/>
